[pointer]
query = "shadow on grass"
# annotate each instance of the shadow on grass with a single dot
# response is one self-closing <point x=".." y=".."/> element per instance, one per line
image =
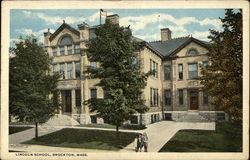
<point x="226" y="138"/>
<point x="13" y="130"/>
<point x="127" y="127"/>
<point x="83" y="138"/>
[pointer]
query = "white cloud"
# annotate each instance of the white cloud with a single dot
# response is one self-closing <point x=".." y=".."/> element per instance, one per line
<point x="201" y="35"/>
<point x="149" y="37"/>
<point x="173" y="28"/>
<point x="70" y="20"/>
<point x="55" y="20"/>
<point x="27" y="13"/>
<point x="139" y="22"/>
<point x="94" y="16"/>
<point x="38" y="34"/>
<point x="13" y="40"/>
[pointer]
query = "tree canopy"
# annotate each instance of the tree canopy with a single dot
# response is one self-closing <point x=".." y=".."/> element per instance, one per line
<point x="119" y="72"/>
<point x="223" y="77"/>
<point x="32" y="90"/>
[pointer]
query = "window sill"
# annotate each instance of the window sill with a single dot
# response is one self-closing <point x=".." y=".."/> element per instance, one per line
<point x="154" y="106"/>
<point x="69" y="79"/>
<point x="66" y="55"/>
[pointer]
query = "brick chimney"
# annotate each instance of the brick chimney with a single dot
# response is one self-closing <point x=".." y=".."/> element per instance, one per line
<point x="46" y="37"/>
<point x="84" y="31"/>
<point x="165" y="34"/>
<point x="113" y="18"/>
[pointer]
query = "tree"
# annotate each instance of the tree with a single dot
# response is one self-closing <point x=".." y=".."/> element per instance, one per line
<point x="222" y="79"/>
<point x="33" y="91"/>
<point x="119" y="73"/>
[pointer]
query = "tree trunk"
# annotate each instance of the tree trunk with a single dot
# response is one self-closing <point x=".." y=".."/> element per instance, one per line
<point x="140" y="119"/>
<point x="36" y="132"/>
<point x="117" y="128"/>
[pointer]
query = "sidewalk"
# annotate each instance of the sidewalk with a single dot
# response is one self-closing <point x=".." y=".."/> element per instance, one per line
<point x="16" y="139"/>
<point x="161" y="132"/>
<point x="158" y="134"/>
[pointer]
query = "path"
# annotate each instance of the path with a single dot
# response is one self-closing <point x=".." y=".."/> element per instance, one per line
<point x="158" y="134"/>
<point x="16" y="139"/>
<point x="161" y="132"/>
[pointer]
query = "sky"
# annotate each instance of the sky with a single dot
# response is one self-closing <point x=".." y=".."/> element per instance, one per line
<point x="145" y="23"/>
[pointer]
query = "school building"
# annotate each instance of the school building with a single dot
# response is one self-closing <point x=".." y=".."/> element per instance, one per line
<point x="172" y="93"/>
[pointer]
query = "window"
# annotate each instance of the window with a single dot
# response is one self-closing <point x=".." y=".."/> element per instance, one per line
<point x="93" y="64"/>
<point x="54" y="51"/>
<point x="221" y="116"/>
<point x="205" y="98"/>
<point x="69" y="69"/>
<point x="62" y="72"/>
<point x="105" y="94"/>
<point x="134" y="60"/>
<point x="204" y="64"/>
<point x="77" y="49"/>
<point x="154" y="68"/>
<point x="54" y="68"/>
<point x="180" y="70"/>
<point x="78" y="98"/>
<point x="93" y="119"/>
<point x="193" y="71"/>
<point x="168" y="97"/>
<point x="78" y="70"/>
<point x="134" y="120"/>
<point x="152" y="118"/>
<point x="69" y="49"/>
<point x="167" y="72"/>
<point x="62" y="52"/>
<point x="192" y="52"/>
<point x="66" y="40"/>
<point x="168" y="116"/>
<point x="93" y="93"/>
<point x="154" y="97"/>
<point x="180" y="96"/>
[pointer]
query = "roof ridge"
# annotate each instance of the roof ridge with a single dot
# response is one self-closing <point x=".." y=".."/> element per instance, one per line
<point x="188" y="36"/>
<point x="156" y="41"/>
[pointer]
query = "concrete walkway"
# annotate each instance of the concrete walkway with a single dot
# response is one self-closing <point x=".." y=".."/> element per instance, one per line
<point x="158" y="134"/>
<point x="16" y="139"/>
<point x="161" y="132"/>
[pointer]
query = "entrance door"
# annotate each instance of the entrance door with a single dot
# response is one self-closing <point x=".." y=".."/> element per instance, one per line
<point x="194" y="100"/>
<point x="68" y="102"/>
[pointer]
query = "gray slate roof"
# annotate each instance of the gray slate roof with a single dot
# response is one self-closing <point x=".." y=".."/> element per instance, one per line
<point x="167" y="47"/>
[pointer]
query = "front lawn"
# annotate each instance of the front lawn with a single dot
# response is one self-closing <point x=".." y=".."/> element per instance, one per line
<point x="13" y="130"/>
<point x="83" y="138"/>
<point x="226" y="138"/>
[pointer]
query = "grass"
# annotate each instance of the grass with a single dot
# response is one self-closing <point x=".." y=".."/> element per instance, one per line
<point x="226" y="138"/>
<point x="13" y="130"/>
<point x="83" y="138"/>
<point x="128" y="127"/>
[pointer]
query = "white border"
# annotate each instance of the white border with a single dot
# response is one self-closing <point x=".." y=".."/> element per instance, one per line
<point x="7" y="5"/>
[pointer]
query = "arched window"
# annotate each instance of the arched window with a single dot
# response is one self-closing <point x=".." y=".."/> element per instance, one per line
<point x="192" y="52"/>
<point x="66" y="46"/>
<point x="66" y="41"/>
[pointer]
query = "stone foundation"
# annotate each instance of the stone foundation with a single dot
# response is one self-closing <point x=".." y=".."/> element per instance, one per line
<point x="152" y="117"/>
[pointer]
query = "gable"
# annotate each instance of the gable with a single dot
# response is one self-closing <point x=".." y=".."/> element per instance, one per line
<point x="64" y="32"/>
<point x="191" y="49"/>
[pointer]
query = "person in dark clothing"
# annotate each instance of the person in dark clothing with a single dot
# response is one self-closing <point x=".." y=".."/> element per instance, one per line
<point x="139" y="143"/>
